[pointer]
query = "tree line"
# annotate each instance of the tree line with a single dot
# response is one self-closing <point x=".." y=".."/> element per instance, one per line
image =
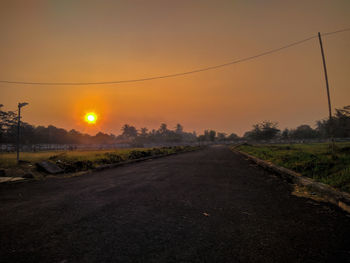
<point x="339" y="127"/>
<point x="31" y="134"/>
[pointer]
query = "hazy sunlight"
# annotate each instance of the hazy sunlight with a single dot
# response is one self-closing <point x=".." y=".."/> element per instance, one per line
<point x="91" y="118"/>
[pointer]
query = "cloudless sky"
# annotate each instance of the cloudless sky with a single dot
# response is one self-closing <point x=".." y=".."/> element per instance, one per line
<point x="90" y="41"/>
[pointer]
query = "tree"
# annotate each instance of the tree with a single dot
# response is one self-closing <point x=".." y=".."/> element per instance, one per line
<point x="265" y="130"/>
<point x="342" y="122"/>
<point x="221" y="136"/>
<point x="209" y="135"/>
<point x="129" y="131"/>
<point x="201" y="138"/>
<point x="340" y="126"/>
<point x="102" y="138"/>
<point x="179" y="129"/>
<point x="303" y="132"/>
<point x="73" y="137"/>
<point x="285" y="134"/>
<point x="143" y="132"/>
<point x="233" y="137"/>
<point x="212" y="135"/>
<point x="163" y="129"/>
<point x="8" y="122"/>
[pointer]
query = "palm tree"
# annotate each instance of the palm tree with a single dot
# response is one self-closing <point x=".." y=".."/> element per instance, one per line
<point x="129" y="131"/>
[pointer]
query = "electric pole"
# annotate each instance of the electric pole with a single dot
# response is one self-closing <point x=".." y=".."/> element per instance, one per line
<point x="328" y="95"/>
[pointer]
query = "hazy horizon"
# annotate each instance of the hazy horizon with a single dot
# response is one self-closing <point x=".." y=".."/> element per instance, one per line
<point x="89" y="41"/>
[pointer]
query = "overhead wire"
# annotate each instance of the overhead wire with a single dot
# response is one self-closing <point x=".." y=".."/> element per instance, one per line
<point x="176" y="74"/>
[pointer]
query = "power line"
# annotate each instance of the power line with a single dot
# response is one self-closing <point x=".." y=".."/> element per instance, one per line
<point x="336" y="32"/>
<point x="176" y="74"/>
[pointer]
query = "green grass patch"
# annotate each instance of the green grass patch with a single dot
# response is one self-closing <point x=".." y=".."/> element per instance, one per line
<point x="312" y="160"/>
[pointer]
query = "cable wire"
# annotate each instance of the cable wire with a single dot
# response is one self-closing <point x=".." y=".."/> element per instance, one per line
<point x="336" y="32"/>
<point x="175" y="74"/>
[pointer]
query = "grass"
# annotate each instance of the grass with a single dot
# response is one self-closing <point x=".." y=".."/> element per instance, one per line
<point x="8" y="160"/>
<point x="74" y="161"/>
<point x="312" y="160"/>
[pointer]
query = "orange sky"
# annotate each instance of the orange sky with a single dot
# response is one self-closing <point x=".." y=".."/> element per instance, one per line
<point x="89" y="41"/>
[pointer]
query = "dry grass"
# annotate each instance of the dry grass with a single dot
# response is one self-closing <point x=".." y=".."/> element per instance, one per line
<point x="8" y="160"/>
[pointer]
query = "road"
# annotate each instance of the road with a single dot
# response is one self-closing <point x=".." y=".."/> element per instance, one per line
<point x="212" y="205"/>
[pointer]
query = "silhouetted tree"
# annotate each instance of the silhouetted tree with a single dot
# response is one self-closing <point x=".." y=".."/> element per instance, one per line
<point x="129" y="131"/>
<point x="265" y="130"/>
<point x="143" y="132"/>
<point x="179" y="128"/>
<point x="233" y="137"/>
<point x="285" y="134"/>
<point x="73" y="137"/>
<point x="102" y="138"/>
<point x="221" y="136"/>
<point x="340" y="126"/>
<point x="303" y="132"/>
<point x="8" y="119"/>
<point x="209" y="135"/>
<point x="163" y="129"/>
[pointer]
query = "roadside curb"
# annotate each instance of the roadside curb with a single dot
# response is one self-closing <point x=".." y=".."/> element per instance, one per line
<point x="6" y="180"/>
<point x="114" y="165"/>
<point x="339" y="198"/>
<point x="23" y="180"/>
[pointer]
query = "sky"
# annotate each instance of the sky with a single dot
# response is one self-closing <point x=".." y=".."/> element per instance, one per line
<point x="92" y="41"/>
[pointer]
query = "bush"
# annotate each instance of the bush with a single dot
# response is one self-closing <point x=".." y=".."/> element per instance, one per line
<point x="75" y="166"/>
<point x="138" y="154"/>
<point x="113" y="158"/>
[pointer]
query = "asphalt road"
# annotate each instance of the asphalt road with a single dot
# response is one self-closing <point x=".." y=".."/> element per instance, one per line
<point x="206" y="206"/>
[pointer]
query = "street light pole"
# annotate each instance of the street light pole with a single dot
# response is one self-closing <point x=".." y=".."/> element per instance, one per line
<point x="18" y="131"/>
<point x="20" y="105"/>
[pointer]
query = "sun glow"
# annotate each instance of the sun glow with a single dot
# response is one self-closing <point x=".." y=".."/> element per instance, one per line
<point x="91" y="117"/>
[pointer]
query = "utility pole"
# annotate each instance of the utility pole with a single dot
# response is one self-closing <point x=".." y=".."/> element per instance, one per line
<point x="20" y="105"/>
<point x="328" y="95"/>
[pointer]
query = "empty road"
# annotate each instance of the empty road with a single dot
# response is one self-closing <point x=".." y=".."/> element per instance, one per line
<point x="207" y="206"/>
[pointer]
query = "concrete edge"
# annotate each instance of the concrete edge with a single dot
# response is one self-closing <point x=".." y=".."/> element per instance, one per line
<point x="23" y="180"/>
<point x="113" y="165"/>
<point x="330" y="194"/>
<point x="6" y="179"/>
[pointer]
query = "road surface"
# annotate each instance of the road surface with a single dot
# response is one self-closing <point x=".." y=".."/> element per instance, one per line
<point x="207" y="206"/>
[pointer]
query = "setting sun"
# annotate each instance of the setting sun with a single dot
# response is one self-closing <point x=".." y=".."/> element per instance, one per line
<point x="91" y="117"/>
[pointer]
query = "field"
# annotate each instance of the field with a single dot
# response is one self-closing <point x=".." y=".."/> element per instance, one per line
<point x="74" y="161"/>
<point x="312" y="160"/>
<point x="8" y="160"/>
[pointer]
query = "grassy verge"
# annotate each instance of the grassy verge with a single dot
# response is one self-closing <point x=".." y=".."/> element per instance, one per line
<point x="75" y="161"/>
<point x="312" y="160"/>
